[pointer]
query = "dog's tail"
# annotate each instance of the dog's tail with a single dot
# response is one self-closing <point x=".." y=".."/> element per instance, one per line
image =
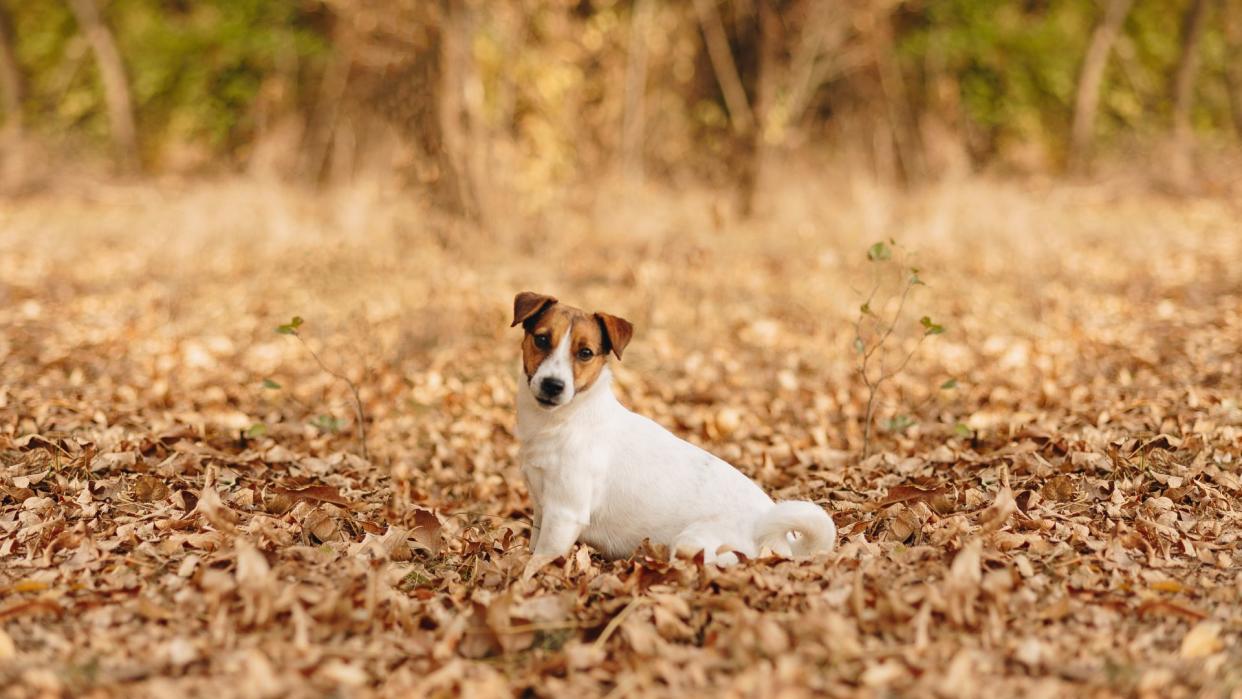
<point x="815" y="530"/>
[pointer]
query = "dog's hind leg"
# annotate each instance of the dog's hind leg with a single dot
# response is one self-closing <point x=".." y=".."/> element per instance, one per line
<point x="708" y="537"/>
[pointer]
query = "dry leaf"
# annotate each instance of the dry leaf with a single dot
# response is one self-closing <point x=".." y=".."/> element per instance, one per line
<point x="312" y="493"/>
<point x="910" y="493"/>
<point x="213" y="509"/>
<point x="172" y="525"/>
<point x="147" y="488"/>
<point x="8" y="649"/>
<point x="1059" y="489"/>
<point x="1202" y="640"/>
<point x="427" y="530"/>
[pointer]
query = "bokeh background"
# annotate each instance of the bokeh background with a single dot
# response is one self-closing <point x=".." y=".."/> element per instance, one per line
<point x="487" y="107"/>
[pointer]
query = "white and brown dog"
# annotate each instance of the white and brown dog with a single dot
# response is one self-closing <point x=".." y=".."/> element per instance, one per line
<point x="604" y="475"/>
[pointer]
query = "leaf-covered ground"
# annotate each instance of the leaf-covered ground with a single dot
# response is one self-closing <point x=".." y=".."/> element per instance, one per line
<point x="184" y="508"/>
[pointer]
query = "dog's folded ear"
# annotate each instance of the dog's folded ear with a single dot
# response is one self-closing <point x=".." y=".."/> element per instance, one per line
<point x="617" y="331"/>
<point x="528" y="304"/>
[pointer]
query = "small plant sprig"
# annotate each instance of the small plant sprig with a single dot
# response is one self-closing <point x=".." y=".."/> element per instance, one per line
<point x="291" y="328"/>
<point x="870" y="346"/>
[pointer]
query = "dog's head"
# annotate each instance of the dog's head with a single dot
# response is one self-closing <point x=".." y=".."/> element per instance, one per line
<point x="565" y="348"/>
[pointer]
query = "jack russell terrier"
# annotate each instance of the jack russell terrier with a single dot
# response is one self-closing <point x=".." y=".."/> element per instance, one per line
<point x="601" y="474"/>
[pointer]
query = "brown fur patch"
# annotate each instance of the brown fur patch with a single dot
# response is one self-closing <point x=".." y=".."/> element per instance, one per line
<point x="545" y="333"/>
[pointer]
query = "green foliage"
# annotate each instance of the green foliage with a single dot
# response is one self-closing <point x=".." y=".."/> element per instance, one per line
<point x="61" y="79"/>
<point x="899" y="423"/>
<point x="196" y="69"/>
<point x="327" y="424"/>
<point x="1015" y="64"/>
<point x="290" y="328"/>
<point x="553" y="74"/>
<point x="930" y="328"/>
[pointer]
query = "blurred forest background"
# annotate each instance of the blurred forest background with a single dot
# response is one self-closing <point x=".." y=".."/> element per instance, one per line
<point x="477" y="101"/>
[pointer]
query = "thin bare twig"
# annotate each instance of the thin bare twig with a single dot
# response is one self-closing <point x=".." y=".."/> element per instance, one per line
<point x="866" y="351"/>
<point x="615" y="622"/>
<point x="353" y="388"/>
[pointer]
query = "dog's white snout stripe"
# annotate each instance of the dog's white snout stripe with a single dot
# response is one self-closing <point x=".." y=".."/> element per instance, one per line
<point x="557" y="365"/>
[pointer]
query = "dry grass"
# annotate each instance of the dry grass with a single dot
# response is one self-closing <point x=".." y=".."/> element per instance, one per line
<point x="1064" y="522"/>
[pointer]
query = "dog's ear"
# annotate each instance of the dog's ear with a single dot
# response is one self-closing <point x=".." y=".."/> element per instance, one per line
<point x="528" y="304"/>
<point x="617" y="332"/>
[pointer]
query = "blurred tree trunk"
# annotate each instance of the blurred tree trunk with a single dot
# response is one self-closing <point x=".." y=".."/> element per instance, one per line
<point x="112" y="75"/>
<point x="1087" y="93"/>
<point x="11" y="84"/>
<point x="725" y="68"/>
<point x="458" y="114"/>
<point x="634" y="115"/>
<point x="741" y="116"/>
<point x="325" y="119"/>
<point x="903" y="131"/>
<point x="1183" y="86"/>
<point x="1233" y="68"/>
<point x="755" y="151"/>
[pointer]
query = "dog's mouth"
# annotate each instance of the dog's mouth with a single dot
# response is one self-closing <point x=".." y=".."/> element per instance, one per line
<point x="547" y="402"/>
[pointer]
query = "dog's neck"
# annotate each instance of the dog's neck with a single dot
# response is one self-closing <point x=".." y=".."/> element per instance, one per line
<point x="532" y="419"/>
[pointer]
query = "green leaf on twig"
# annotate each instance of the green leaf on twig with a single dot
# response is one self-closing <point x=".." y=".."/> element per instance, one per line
<point x="290" y="328"/>
<point x="930" y="328"/>
<point x="327" y="424"/>
<point x="899" y="423"/>
<point x="879" y="252"/>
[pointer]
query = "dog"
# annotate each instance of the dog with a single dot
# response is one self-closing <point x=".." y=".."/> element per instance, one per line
<point x="601" y="474"/>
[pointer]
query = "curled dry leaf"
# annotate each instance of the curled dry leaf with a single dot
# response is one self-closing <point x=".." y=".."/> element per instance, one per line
<point x="1000" y="511"/>
<point x="213" y="509"/>
<point x="320" y="527"/>
<point x="426" y="530"/>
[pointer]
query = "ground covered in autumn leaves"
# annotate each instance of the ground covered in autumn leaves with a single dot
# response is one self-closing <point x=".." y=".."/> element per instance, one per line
<point x="1051" y="507"/>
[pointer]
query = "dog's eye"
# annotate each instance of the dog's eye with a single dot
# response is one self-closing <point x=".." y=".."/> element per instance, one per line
<point x="585" y="354"/>
<point x="543" y="342"/>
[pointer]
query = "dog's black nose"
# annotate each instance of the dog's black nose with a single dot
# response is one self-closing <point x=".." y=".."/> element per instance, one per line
<point x="551" y="387"/>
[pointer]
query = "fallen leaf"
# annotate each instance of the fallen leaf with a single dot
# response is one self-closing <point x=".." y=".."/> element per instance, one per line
<point x="313" y="493"/>
<point x="1202" y="640"/>
<point x="426" y="530"/>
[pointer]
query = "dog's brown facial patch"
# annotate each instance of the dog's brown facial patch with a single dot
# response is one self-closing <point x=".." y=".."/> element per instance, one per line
<point x="587" y="350"/>
<point x="543" y="335"/>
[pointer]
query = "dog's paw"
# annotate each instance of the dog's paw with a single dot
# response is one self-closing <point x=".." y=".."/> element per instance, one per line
<point x="536" y="564"/>
<point x="726" y="559"/>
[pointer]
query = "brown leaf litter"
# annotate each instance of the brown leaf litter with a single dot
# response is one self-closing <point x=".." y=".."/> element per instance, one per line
<point x="1062" y="522"/>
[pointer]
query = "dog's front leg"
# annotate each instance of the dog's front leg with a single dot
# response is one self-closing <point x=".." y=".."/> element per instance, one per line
<point x="536" y="526"/>
<point x="534" y="485"/>
<point x="559" y="528"/>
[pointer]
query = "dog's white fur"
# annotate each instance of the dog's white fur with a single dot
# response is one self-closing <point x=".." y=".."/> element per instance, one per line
<point x="604" y="475"/>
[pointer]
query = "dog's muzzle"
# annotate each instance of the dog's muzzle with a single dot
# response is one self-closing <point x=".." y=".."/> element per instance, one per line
<point x="550" y="391"/>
